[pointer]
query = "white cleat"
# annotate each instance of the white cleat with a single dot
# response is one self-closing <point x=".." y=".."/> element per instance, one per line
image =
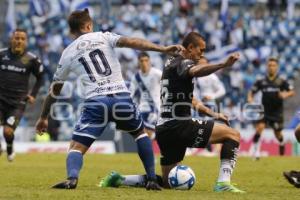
<point x="11" y="157"/>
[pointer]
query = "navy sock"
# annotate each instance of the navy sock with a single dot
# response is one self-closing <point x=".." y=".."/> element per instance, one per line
<point x="145" y="152"/>
<point x="74" y="164"/>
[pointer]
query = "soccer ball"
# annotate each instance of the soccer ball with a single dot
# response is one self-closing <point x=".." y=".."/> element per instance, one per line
<point x="181" y="177"/>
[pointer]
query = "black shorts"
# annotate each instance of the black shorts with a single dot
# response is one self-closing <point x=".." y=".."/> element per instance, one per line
<point x="11" y="115"/>
<point x="173" y="137"/>
<point x="276" y="124"/>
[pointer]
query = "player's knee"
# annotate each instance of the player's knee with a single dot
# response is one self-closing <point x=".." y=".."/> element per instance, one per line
<point x="235" y="135"/>
<point x="278" y="135"/>
<point x="77" y="146"/>
<point x="8" y="131"/>
<point x="259" y="129"/>
<point x="137" y="133"/>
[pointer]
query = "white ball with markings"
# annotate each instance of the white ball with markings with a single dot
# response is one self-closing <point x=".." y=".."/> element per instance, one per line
<point x="181" y="177"/>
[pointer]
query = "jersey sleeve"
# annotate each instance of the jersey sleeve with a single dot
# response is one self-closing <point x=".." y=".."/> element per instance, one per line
<point x="112" y="38"/>
<point x="287" y="86"/>
<point x="37" y="67"/>
<point x="38" y="71"/>
<point x="184" y="67"/>
<point x="63" y="69"/>
<point x="256" y="86"/>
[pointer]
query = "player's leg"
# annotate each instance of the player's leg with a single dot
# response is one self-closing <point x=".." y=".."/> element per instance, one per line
<point x="11" y="121"/>
<point x="277" y="127"/>
<point x="150" y="133"/>
<point x="90" y="126"/>
<point x="145" y="152"/>
<point x="230" y="139"/>
<point x="165" y="170"/>
<point x="150" y="119"/>
<point x="279" y="137"/>
<point x="259" y="128"/>
<point x="74" y="164"/>
<point x="172" y="139"/>
<point x="8" y="133"/>
<point x="127" y="118"/>
<point x="115" y="179"/>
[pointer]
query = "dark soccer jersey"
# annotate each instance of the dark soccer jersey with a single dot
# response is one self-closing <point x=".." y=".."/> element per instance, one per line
<point x="273" y="104"/>
<point x="14" y="76"/>
<point x="177" y="88"/>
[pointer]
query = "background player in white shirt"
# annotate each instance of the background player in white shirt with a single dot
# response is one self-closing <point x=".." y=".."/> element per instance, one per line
<point x="208" y="88"/>
<point x="145" y="91"/>
<point x="92" y="58"/>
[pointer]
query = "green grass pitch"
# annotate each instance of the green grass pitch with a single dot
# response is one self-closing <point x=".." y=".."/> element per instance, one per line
<point x="31" y="175"/>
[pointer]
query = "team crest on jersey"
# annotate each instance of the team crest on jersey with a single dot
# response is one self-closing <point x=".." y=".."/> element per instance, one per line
<point x="5" y="58"/>
<point x="83" y="44"/>
<point x="25" y="60"/>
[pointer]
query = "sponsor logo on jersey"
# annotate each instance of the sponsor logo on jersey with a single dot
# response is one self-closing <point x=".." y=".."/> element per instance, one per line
<point x="271" y="89"/>
<point x="88" y="45"/>
<point x="13" y="68"/>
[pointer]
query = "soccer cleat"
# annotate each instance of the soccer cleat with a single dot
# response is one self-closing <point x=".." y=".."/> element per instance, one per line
<point x="114" y="179"/>
<point x="70" y="183"/>
<point x="226" y="187"/>
<point x="293" y="178"/>
<point x="11" y="157"/>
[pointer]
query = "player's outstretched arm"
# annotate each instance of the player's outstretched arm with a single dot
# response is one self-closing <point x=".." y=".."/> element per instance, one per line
<point x="42" y="123"/>
<point x="204" y="70"/>
<point x="145" y="45"/>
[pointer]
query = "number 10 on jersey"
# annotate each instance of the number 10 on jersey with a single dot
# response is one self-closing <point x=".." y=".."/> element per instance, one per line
<point x="102" y="70"/>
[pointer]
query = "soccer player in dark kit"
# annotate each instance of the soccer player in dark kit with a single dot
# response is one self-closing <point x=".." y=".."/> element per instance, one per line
<point x="176" y="129"/>
<point x="274" y="91"/>
<point x="16" y="65"/>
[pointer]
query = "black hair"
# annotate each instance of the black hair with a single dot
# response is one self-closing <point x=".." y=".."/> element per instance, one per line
<point x="191" y="38"/>
<point x="77" y="20"/>
<point x="143" y="54"/>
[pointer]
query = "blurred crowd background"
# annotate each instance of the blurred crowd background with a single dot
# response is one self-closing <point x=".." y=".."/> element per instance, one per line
<point x="257" y="29"/>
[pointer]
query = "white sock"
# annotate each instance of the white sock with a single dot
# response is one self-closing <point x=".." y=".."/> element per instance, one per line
<point x="282" y="143"/>
<point x="134" y="180"/>
<point x="225" y="172"/>
<point x="256" y="152"/>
